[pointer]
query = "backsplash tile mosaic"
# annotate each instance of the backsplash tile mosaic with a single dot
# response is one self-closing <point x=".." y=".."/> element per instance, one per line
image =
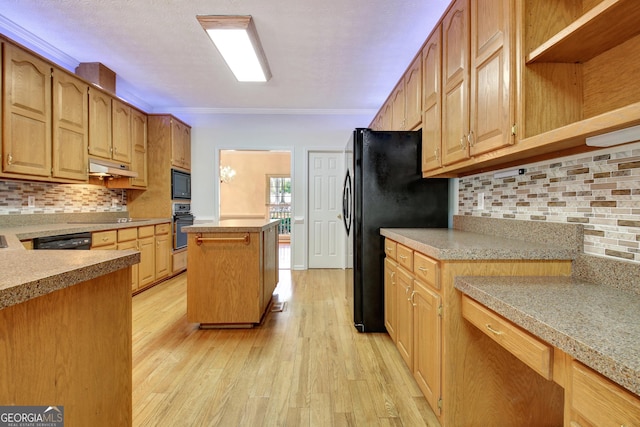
<point x="600" y="190"/>
<point x="49" y="198"/>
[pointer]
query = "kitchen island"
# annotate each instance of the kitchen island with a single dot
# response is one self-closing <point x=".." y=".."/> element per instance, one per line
<point x="233" y="270"/>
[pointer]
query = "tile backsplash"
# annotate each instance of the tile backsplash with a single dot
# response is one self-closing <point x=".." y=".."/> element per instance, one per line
<point x="49" y="198"/>
<point x="600" y="190"/>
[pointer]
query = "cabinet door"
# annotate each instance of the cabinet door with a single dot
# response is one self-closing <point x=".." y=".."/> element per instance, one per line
<point x="186" y="142"/>
<point x="386" y="122"/>
<point x="177" y="143"/>
<point x="404" y="329"/>
<point x="427" y="343"/>
<point x="398" y="107"/>
<point x="139" y="143"/>
<point x="413" y="94"/>
<point x="99" y="124"/>
<point x="455" y="82"/>
<point x="147" y="265"/>
<point x="432" y="101"/>
<point x="121" y="142"/>
<point x="390" y="297"/>
<point x="132" y="244"/>
<point x="26" y="134"/>
<point x="270" y="264"/>
<point x="70" y="126"/>
<point x="163" y="256"/>
<point x="492" y="75"/>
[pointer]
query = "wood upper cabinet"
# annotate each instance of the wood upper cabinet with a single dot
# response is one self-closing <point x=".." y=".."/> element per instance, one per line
<point x="432" y="101"/>
<point x="413" y="94"/>
<point x="398" y="107"/>
<point x="492" y="68"/>
<point x="180" y="144"/>
<point x="139" y="143"/>
<point x="100" y="135"/>
<point x="121" y="131"/>
<point x="455" y="83"/>
<point x="70" y="126"/>
<point x="26" y="108"/>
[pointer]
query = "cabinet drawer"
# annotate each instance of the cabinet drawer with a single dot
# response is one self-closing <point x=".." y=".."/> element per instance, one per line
<point x="390" y="248"/>
<point x="127" y="234"/>
<point x="600" y="401"/>
<point x="104" y="238"/>
<point x="427" y="270"/>
<point x="163" y="228"/>
<point x="529" y="349"/>
<point x="405" y="257"/>
<point x="146" y="231"/>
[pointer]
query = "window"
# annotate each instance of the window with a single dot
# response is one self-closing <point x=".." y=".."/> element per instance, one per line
<point x="279" y="201"/>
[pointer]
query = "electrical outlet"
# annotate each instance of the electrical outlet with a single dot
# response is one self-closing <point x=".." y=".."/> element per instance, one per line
<point x="31" y="201"/>
<point x="114" y="202"/>
<point x="480" y="201"/>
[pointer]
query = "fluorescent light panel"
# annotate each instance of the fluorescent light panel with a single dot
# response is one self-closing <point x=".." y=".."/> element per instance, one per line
<point x="236" y="39"/>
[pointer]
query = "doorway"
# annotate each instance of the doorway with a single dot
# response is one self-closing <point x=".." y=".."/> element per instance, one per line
<point x="256" y="184"/>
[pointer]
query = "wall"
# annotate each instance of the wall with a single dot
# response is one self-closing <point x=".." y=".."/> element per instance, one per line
<point x="600" y="189"/>
<point x="297" y="134"/>
<point x="245" y="195"/>
<point x="58" y="198"/>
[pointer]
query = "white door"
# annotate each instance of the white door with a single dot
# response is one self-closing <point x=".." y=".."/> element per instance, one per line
<point x="326" y="231"/>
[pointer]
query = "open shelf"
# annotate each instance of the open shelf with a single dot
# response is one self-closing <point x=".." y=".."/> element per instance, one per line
<point x="605" y="26"/>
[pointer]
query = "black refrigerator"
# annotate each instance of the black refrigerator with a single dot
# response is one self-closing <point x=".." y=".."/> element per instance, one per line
<point x="384" y="188"/>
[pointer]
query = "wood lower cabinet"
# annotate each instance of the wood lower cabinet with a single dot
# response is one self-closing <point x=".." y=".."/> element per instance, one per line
<point x="179" y="261"/>
<point x="163" y="251"/>
<point x="390" y="297"/>
<point x="595" y="401"/>
<point x="147" y="248"/>
<point x="467" y="378"/>
<point x="104" y="240"/>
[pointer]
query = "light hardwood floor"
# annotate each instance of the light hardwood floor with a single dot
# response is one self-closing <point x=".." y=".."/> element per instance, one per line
<point x="304" y="366"/>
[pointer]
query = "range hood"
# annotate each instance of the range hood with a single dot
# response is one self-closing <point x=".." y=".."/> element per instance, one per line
<point x="103" y="168"/>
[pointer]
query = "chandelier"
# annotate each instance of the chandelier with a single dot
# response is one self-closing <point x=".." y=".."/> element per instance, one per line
<point x="227" y="174"/>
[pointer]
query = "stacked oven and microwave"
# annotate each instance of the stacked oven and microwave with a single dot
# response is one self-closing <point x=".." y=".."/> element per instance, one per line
<point x="181" y="206"/>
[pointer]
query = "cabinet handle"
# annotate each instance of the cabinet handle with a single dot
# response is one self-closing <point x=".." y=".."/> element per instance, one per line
<point x="435" y="153"/>
<point x="411" y="298"/>
<point x="402" y="256"/>
<point x="471" y="139"/>
<point x="493" y="331"/>
<point x="462" y="140"/>
<point x="9" y="159"/>
<point x="390" y="249"/>
<point x="423" y="269"/>
<point x="393" y="277"/>
<point x="200" y="239"/>
<point x="104" y="239"/>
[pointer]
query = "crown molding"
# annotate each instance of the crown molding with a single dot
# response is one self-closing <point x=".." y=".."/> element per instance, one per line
<point x="269" y="111"/>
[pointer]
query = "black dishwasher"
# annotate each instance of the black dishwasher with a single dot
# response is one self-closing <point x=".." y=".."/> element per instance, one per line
<point x="64" y="241"/>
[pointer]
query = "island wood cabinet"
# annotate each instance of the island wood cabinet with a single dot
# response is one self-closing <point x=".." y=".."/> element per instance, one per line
<point x="231" y="275"/>
<point x="45" y="130"/>
<point x="450" y="359"/>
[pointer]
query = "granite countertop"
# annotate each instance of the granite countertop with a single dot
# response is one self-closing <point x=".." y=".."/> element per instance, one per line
<point x="29" y="274"/>
<point x="232" y="226"/>
<point x="595" y="324"/>
<point x="452" y="244"/>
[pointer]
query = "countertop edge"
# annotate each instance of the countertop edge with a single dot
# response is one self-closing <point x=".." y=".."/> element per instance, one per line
<point x="89" y="270"/>
<point x="231" y="227"/>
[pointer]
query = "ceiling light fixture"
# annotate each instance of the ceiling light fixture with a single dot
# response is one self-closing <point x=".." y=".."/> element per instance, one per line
<point x="237" y="41"/>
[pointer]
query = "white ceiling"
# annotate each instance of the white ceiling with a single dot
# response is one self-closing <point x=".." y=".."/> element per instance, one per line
<point x="327" y="57"/>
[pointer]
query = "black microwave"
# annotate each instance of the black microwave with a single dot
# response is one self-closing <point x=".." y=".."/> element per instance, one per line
<point x="180" y="185"/>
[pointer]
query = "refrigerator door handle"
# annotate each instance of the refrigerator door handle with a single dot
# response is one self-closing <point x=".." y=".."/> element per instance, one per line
<point x="346" y="203"/>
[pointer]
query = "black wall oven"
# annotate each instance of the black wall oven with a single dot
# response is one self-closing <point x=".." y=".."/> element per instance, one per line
<point x="182" y="217"/>
<point x="180" y="185"/>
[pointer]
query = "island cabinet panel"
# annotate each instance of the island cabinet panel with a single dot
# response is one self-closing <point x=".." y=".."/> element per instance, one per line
<point x="72" y="348"/>
<point x="224" y="278"/>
